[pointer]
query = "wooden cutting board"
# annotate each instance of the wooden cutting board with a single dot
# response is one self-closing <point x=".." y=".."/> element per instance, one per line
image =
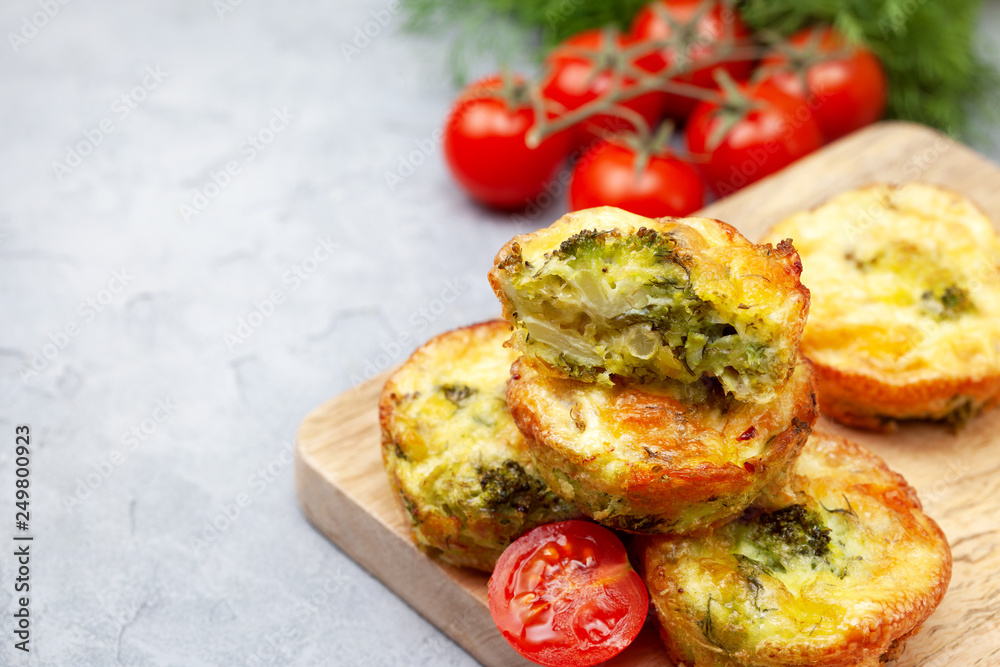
<point x="345" y="492"/>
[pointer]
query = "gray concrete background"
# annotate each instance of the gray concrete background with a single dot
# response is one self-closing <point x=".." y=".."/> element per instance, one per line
<point x="164" y="356"/>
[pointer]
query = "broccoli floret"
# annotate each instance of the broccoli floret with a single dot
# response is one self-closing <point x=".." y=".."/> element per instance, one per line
<point x="585" y="244"/>
<point x="685" y="323"/>
<point x="955" y="298"/>
<point x="955" y="301"/>
<point x="622" y="303"/>
<point x="798" y="528"/>
<point x="457" y="393"/>
<point x="509" y="486"/>
<point x="947" y="303"/>
<point x="779" y="537"/>
<point x="611" y="245"/>
<point x="514" y="261"/>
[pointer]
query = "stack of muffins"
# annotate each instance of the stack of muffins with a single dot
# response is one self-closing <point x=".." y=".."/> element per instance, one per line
<point x="660" y="387"/>
<point x="655" y="386"/>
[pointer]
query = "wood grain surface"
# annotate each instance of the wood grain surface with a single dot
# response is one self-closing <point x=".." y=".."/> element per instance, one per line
<point x="344" y="490"/>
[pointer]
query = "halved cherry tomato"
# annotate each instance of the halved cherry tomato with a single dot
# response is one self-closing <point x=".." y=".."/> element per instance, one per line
<point x="652" y="184"/>
<point x="589" y="66"/>
<point x="564" y="595"/>
<point x="485" y="147"/>
<point x="845" y="83"/>
<point x="697" y="31"/>
<point x="755" y="132"/>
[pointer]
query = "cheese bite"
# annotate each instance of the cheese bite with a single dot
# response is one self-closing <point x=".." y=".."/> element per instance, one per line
<point x="455" y="458"/>
<point x="837" y="568"/>
<point x="905" y="320"/>
<point x="603" y="293"/>
<point x="658" y="458"/>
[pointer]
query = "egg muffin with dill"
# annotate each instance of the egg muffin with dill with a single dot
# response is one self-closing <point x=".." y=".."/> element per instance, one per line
<point x="836" y="568"/>
<point x="605" y="294"/>
<point x="905" y="315"/>
<point x="661" y="457"/>
<point x="455" y="458"/>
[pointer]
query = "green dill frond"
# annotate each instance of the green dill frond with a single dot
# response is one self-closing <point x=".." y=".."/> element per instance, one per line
<point x="936" y="74"/>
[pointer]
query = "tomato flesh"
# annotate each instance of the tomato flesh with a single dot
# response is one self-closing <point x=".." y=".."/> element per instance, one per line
<point x="778" y="130"/>
<point x="849" y="89"/>
<point x="485" y="147"/>
<point x="607" y="176"/>
<point x="565" y="595"/>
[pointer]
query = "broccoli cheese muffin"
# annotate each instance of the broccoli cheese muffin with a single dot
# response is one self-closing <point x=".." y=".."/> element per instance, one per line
<point x="838" y="568"/>
<point x="604" y="293"/>
<point x="657" y="458"/>
<point x="905" y="320"/>
<point x="454" y="456"/>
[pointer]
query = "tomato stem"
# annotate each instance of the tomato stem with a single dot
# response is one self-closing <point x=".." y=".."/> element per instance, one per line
<point x="799" y="59"/>
<point x="514" y="91"/>
<point x="734" y="108"/>
<point x="644" y="82"/>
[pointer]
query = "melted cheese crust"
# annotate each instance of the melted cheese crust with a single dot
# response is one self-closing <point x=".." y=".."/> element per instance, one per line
<point x="671" y="457"/>
<point x="887" y="569"/>
<point x="455" y="457"/>
<point x="753" y="288"/>
<point x="905" y="315"/>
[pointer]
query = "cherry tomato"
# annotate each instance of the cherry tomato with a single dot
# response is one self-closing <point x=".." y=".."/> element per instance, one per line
<point x="584" y="68"/>
<point x="755" y="132"/>
<point x="845" y="83"/>
<point x="697" y="30"/>
<point x="485" y="147"/>
<point x="565" y="595"/>
<point x="656" y="185"/>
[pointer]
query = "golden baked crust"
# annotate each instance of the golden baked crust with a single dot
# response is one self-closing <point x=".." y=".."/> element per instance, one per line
<point x="457" y="462"/>
<point x="603" y="293"/>
<point x="670" y="457"/>
<point x="905" y="315"/>
<point x="837" y="570"/>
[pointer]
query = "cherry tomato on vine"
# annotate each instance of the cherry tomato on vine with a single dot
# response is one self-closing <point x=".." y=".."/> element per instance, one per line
<point x="846" y="84"/>
<point x="565" y="595"/>
<point x="756" y="131"/>
<point x="697" y="31"/>
<point x="485" y="146"/>
<point x="638" y="179"/>
<point x="585" y="68"/>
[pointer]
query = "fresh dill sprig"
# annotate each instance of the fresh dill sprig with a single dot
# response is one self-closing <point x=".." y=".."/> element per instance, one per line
<point x="936" y="74"/>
